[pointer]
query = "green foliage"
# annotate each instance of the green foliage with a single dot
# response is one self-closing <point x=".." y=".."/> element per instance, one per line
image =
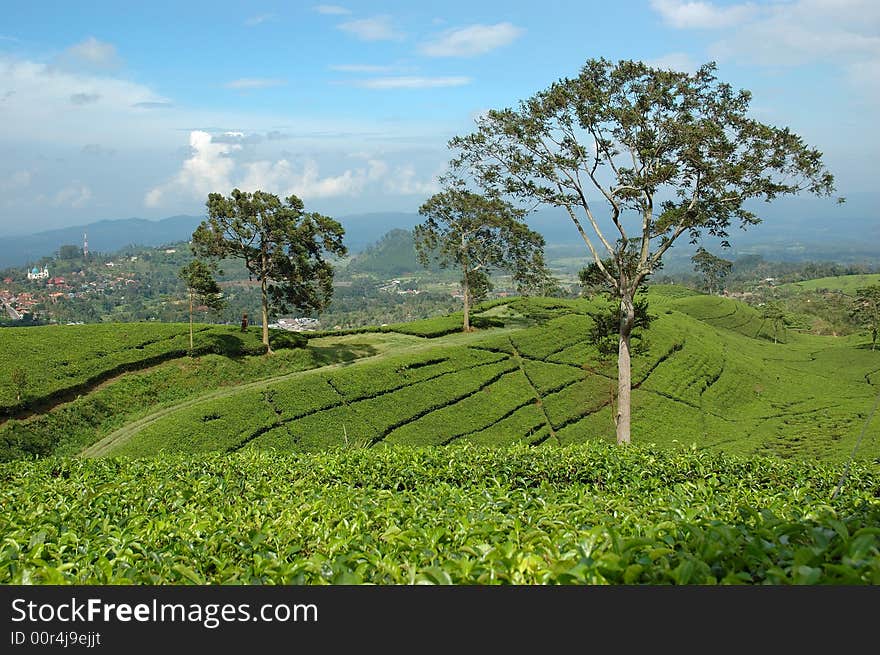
<point x="464" y="515"/>
<point x="714" y="269"/>
<point x="604" y="334"/>
<point x="281" y="245"/>
<point x="672" y="152"/>
<point x="19" y="380"/>
<point x="477" y="235"/>
<point x="69" y="252"/>
<point x="866" y="310"/>
<point x="773" y="312"/>
<point x="198" y="276"/>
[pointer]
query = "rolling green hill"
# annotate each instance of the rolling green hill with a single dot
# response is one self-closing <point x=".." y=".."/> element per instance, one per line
<point x="71" y="359"/>
<point x="845" y="283"/>
<point x="710" y="375"/>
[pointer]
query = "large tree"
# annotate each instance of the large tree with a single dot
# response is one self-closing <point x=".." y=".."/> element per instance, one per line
<point x="477" y="234"/>
<point x="713" y="268"/>
<point x="198" y="278"/>
<point x="866" y="310"/>
<point x="282" y="246"/>
<point x="663" y="153"/>
<point x="773" y="312"/>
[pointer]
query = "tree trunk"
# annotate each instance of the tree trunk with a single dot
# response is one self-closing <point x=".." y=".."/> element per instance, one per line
<point x="190" y="322"/>
<point x="467" y="304"/>
<point x="624" y="371"/>
<point x="264" y="306"/>
<point x="264" y="296"/>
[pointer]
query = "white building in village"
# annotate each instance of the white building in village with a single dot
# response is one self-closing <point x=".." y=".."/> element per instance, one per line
<point x="38" y="274"/>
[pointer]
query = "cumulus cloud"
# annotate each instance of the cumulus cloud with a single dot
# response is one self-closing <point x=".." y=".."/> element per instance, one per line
<point x="212" y="168"/>
<point x="239" y="138"/>
<point x="246" y="83"/>
<point x="208" y="170"/>
<point x="409" y="82"/>
<point x="282" y="178"/>
<point x="377" y="28"/>
<point x="471" y="40"/>
<point x="331" y="10"/>
<point x="685" y="14"/>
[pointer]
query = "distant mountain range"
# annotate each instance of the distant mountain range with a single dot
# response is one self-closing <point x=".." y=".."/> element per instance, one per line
<point x="111" y="235"/>
<point x="793" y="228"/>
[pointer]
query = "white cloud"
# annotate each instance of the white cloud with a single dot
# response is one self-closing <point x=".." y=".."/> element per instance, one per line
<point x="76" y="196"/>
<point x="377" y="28"/>
<point x="676" y="61"/>
<point x="39" y="110"/>
<point x="208" y="170"/>
<point x="90" y="54"/>
<point x="684" y="14"/>
<point x="18" y="180"/>
<point x="254" y="83"/>
<point x="253" y="21"/>
<point x="839" y="33"/>
<point x="331" y="10"/>
<point x="403" y="181"/>
<point x="409" y="82"/>
<point x="471" y="40"/>
<point x="212" y="168"/>
<point x="281" y="177"/>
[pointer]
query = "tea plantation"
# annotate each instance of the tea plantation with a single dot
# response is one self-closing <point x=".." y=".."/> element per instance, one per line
<point x="419" y="454"/>
<point x="592" y="513"/>
<point x="708" y="373"/>
<point x="74" y="358"/>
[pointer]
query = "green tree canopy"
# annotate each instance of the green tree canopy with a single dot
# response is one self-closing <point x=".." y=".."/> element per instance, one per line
<point x="477" y="234"/>
<point x="198" y="277"/>
<point x="282" y="246"/>
<point x="866" y="310"/>
<point x="665" y="153"/>
<point x="714" y="269"/>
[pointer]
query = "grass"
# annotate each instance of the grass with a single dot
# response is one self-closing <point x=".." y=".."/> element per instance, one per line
<point x="587" y="514"/>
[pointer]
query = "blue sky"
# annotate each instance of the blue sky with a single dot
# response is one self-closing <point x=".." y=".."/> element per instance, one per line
<point x="111" y="111"/>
